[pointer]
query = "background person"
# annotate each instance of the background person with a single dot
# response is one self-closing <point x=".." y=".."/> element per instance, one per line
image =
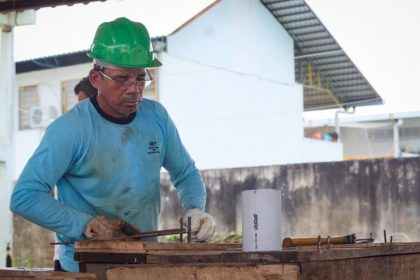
<point x="84" y="89"/>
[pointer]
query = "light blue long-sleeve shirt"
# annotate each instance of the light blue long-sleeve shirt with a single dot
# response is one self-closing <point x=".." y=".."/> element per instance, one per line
<point x="102" y="167"/>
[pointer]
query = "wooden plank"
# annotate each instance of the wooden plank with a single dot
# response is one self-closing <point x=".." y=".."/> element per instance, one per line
<point x="133" y="245"/>
<point x="394" y="267"/>
<point x="28" y="273"/>
<point x="205" y="272"/>
<point x="122" y="245"/>
<point x="280" y="256"/>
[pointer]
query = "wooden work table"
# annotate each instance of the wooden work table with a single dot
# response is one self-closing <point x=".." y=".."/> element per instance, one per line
<point x="122" y="260"/>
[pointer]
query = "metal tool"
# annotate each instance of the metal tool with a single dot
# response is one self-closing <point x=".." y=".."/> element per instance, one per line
<point x="311" y="241"/>
<point x="181" y="230"/>
<point x="328" y="242"/>
<point x="189" y="235"/>
<point x="181" y="226"/>
<point x="308" y="241"/>
<point x="365" y="240"/>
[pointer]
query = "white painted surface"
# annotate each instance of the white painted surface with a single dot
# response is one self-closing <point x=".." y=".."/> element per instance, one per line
<point x="321" y="151"/>
<point x="229" y="85"/>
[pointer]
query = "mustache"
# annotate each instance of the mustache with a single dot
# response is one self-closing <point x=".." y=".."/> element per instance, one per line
<point x="133" y="98"/>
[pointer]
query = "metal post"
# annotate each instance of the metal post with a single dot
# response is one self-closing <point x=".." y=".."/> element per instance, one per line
<point x="189" y="230"/>
<point x="181" y="227"/>
<point x="396" y="134"/>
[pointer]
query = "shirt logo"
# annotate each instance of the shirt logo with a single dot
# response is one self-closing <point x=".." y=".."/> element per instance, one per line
<point x="153" y="148"/>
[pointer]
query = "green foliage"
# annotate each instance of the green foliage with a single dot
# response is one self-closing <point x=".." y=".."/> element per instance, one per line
<point x="174" y="238"/>
<point x="231" y="237"/>
<point x="19" y="262"/>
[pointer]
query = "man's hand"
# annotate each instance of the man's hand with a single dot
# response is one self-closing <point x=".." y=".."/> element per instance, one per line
<point x="103" y="228"/>
<point x="202" y="225"/>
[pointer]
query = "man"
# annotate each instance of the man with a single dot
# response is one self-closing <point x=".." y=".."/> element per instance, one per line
<point x="105" y="155"/>
<point x="84" y="89"/>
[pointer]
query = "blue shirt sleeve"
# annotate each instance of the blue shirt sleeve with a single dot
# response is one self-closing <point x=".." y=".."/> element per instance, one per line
<point x="32" y="197"/>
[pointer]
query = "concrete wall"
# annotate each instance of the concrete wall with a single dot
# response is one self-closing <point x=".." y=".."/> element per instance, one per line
<point x="320" y="198"/>
<point x="31" y="244"/>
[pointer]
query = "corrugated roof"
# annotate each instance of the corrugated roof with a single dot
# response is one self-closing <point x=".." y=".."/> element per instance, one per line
<point x="330" y="78"/>
<point x="20" y="5"/>
<point x="73" y="58"/>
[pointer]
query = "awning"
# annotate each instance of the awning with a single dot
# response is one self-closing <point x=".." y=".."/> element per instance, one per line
<point x="330" y="78"/>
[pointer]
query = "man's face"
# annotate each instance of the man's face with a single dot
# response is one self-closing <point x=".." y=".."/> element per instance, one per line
<point x="119" y="90"/>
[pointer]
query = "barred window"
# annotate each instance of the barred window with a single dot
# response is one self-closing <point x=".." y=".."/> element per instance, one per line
<point x="28" y="98"/>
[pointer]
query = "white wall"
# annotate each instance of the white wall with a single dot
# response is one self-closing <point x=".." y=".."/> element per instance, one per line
<point x="228" y="82"/>
<point x="240" y="36"/>
<point x="230" y="120"/>
<point x="321" y="151"/>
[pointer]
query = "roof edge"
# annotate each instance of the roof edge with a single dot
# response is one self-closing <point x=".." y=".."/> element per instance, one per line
<point x="195" y="17"/>
<point x="70" y="59"/>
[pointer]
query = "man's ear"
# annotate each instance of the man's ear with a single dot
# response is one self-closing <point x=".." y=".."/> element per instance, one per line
<point x="94" y="78"/>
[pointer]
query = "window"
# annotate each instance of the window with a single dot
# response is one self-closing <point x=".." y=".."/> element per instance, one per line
<point x="151" y="92"/>
<point x="69" y="99"/>
<point x="28" y="98"/>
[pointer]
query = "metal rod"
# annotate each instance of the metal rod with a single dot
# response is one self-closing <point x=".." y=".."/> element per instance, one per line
<point x="141" y="235"/>
<point x="328" y="242"/>
<point x="181" y="227"/>
<point x="189" y="238"/>
<point x="318" y="243"/>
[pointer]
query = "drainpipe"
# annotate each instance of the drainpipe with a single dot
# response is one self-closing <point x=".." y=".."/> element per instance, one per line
<point x="337" y="120"/>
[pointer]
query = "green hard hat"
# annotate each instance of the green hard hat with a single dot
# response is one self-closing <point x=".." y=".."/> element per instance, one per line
<point x="123" y="43"/>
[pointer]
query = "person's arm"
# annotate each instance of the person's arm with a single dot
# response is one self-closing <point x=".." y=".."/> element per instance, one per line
<point x="182" y="170"/>
<point x="31" y="197"/>
<point x="189" y="184"/>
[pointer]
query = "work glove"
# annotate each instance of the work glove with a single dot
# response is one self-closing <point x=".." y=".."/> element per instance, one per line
<point x="202" y="225"/>
<point x="101" y="227"/>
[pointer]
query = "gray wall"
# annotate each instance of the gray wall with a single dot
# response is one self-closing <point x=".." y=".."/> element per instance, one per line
<point x="318" y="199"/>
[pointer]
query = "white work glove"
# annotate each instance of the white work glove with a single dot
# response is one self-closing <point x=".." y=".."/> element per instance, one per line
<point x="202" y="225"/>
<point x="103" y="228"/>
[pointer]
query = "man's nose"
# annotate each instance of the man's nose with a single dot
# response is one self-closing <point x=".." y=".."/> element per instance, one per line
<point x="134" y="86"/>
